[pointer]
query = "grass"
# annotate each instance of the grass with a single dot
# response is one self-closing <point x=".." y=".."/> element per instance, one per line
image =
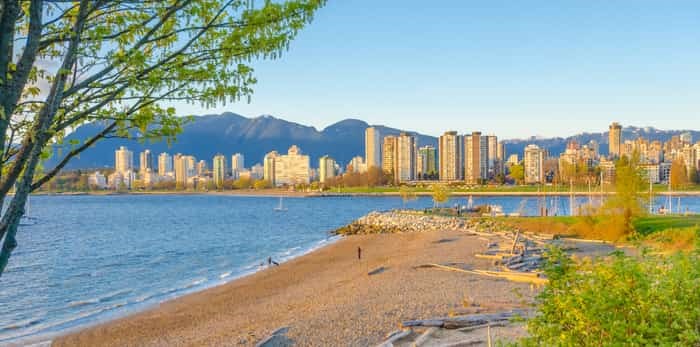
<point x="650" y="224"/>
<point x="424" y="188"/>
<point x="667" y="233"/>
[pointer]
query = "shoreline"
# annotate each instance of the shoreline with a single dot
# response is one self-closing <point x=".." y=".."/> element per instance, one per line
<point x="48" y="337"/>
<point x="326" y="297"/>
<point x="293" y="194"/>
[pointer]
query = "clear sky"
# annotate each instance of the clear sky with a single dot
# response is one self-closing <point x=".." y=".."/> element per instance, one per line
<point x="513" y="68"/>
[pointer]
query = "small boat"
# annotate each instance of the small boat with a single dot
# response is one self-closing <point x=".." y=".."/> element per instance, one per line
<point x="280" y="207"/>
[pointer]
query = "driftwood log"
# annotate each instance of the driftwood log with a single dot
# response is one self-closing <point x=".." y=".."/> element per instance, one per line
<point x="465" y="321"/>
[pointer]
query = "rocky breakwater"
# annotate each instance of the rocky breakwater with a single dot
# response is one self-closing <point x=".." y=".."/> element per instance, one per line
<point x="404" y="222"/>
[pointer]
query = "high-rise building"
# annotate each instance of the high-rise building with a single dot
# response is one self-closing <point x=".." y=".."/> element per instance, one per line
<point x="123" y="160"/>
<point x="686" y="138"/>
<point x="493" y="155"/>
<point x="180" y="168"/>
<point x="145" y="161"/>
<point x="476" y="158"/>
<point x="615" y="140"/>
<point x="257" y="171"/>
<point x="269" y="166"/>
<point x="165" y="164"/>
<point x="191" y="162"/>
<point x="405" y="158"/>
<point x="451" y="156"/>
<point x="426" y="162"/>
<point x="219" y="170"/>
<point x="357" y="165"/>
<point x="513" y="159"/>
<point x="202" y="168"/>
<point x="237" y="163"/>
<point x="389" y="154"/>
<point x="373" y="150"/>
<point x="326" y="168"/>
<point x="533" y="164"/>
<point x="290" y="169"/>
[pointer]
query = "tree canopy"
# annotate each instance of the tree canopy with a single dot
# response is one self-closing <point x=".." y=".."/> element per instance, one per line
<point x="122" y="64"/>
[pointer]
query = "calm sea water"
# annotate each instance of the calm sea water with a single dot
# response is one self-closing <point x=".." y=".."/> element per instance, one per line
<point x="92" y="258"/>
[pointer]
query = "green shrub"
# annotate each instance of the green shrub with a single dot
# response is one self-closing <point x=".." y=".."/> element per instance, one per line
<point x="631" y="301"/>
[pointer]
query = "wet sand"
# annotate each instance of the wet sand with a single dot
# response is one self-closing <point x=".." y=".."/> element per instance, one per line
<point x="325" y="298"/>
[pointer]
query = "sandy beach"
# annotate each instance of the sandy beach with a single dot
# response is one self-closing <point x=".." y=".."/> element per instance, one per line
<point x="325" y="298"/>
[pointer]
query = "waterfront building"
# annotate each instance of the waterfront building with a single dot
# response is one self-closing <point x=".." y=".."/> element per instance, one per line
<point x="389" y="154"/>
<point x="326" y="168"/>
<point x="293" y="168"/>
<point x="451" y="156"/>
<point x="405" y="158"/>
<point x="181" y="170"/>
<point x="269" y="167"/>
<point x="145" y="161"/>
<point x="118" y="180"/>
<point x="690" y="158"/>
<point x="493" y="161"/>
<point x="257" y="171"/>
<point x="165" y="164"/>
<point x="191" y="163"/>
<point x="149" y="178"/>
<point x="476" y="156"/>
<point x="607" y="169"/>
<point x="123" y="160"/>
<point x="426" y="162"/>
<point x="651" y="172"/>
<point x="533" y="163"/>
<point x="202" y="168"/>
<point x="373" y="150"/>
<point x="97" y="180"/>
<point x="357" y="165"/>
<point x="219" y="170"/>
<point x="501" y="158"/>
<point x="614" y="140"/>
<point x="237" y="164"/>
<point x="686" y="138"/>
<point x="513" y="159"/>
<point x="664" y="172"/>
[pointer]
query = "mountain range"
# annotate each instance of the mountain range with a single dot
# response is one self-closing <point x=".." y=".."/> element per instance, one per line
<point x="229" y="133"/>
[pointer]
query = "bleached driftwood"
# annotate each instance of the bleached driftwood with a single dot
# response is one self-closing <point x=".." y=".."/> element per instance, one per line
<point x="523" y="277"/>
<point x="395" y="336"/>
<point x="465" y="321"/>
<point x="423" y="338"/>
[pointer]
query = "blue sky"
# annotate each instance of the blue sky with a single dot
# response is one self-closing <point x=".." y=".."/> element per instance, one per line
<point x="513" y="68"/>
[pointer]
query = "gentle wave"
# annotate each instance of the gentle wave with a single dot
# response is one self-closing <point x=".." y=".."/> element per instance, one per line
<point x="100" y="299"/>
<point x="35" y="328"/>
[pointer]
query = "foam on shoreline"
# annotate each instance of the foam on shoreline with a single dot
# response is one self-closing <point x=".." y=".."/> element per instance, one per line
<point x="43" y="334"/>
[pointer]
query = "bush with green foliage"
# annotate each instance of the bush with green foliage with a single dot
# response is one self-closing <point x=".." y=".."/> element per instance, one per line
<point x="645" y="300"/>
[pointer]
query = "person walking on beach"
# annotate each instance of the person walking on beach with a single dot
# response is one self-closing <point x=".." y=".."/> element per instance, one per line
<point x="359" y="253"/>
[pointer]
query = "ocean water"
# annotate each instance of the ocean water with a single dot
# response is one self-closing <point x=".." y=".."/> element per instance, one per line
<point x="86" y="259"/>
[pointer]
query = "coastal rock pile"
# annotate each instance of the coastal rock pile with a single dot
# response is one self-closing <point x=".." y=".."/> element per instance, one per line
<point x="404" y="222"/>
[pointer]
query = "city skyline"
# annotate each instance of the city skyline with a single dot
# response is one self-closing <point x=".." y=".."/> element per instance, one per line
<point x="516" y="69"/>
<point x="473" y="158"/>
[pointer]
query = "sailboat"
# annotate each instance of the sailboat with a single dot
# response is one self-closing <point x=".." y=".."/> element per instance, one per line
<point x="280" y="207"/>
<point x="26" y="219"/>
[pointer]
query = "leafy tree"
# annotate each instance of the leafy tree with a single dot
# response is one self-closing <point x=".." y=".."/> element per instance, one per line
<point x="440" y="194"/>
<point x="693" y="175"/>
<point x="119" y="64"/>
<point x="242" y="183"/>
<point x="629" y="199"/>
<point x="622" y="301"/>
<point x="262" y="184"/>
<point x="517" y="173"/>
<point x="679" y="174"/>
